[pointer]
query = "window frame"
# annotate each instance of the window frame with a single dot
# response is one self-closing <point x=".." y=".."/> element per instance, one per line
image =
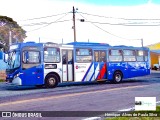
<point x="144" y="56"/>
<point x="100" y="59"/>
<point x="121" y="55"/>
<point x="78" y="61"/>
<point x="129" y="55"/>
<point x="51" y="61"/>
<point x="23" y="55"/>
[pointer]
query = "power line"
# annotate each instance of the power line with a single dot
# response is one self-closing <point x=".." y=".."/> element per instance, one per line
<point x="115" y="17"/>
<point x="125" y="24"/>
<point x="42" y="23"/>
<point x="44" y="17"/>
<point x="48" y="23"/>
<point x="107" y="31"/>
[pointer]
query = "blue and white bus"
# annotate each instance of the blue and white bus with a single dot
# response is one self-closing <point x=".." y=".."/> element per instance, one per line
<point x="48" y="64"/>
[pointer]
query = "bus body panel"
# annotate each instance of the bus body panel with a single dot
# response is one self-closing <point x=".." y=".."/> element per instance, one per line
<point x="118" y="66"/>
<point x="48" y="68"/>
<point x="32" y="76"/>
<point x="92" y="65"/>
<point x="102" y="71"/>
<point x="83" y="71"/>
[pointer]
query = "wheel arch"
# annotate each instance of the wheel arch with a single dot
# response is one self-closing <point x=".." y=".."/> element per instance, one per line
<point x="114" y="79"/>
<point x="53" y="73"/>
<point x="118" y="71"/>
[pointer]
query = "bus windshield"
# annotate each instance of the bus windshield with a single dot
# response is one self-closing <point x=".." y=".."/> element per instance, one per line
<point x="13" y="60"/>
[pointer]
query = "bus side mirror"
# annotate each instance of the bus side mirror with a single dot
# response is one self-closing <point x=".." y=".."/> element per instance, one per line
<point x="5" y="58"/>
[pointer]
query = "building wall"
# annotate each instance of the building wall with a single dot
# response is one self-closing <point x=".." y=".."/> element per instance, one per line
<point x="154" y="58"/>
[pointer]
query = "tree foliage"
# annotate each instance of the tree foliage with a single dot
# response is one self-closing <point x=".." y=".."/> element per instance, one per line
<point x="7" y="25"/>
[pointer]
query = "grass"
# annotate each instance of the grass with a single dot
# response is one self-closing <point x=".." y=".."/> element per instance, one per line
<point x="2" y="80"/>
<point x="138" y="118"/>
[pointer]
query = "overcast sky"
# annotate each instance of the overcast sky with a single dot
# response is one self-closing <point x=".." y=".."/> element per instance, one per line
<point x="115" y="22"/>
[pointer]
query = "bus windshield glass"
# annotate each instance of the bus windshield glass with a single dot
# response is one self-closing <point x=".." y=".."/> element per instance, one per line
<point x="51" y="54"/>
<point x="13" y="60"/>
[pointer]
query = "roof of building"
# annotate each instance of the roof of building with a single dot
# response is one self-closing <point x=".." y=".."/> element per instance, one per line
<point x="156" y="51"/>
<point x="155" y="46"/>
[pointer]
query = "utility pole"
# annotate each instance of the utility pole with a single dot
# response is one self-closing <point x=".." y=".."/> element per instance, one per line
<point x="62" y="40"/>
<point x="142" y="42"/>
<point x="74" y="25"/>
<point x="10" y="37"/>
<point x="39" y="39"/>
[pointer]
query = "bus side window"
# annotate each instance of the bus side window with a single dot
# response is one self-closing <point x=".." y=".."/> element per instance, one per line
<point x="64" y="57"/>
<point x="115" y="55"/>
<point x="145" y="55"/>
<point x="31" y="57"/>
<point x="102" y="56"/>
<point x="25" y="57"/>
<point x="129" y="55"/>
<point x="70" y="57"/>
<point x="140" y="54"/>
<point x="96" y="58"/>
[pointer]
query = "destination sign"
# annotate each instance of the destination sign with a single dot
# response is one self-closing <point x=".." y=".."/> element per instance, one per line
<point x="12" y="47"/>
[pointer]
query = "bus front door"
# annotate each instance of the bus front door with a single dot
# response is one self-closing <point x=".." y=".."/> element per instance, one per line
<point x="100" y="64"/>
<point x="67" y="66"/>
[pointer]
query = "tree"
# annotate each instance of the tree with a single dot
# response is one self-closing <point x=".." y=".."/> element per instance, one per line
<point x="8" y="25"/>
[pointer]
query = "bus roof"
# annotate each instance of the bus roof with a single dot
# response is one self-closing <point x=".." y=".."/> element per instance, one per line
<point x="104" y="45"/>
<point x="88" y="44"/>
<point x="130" y="47"/>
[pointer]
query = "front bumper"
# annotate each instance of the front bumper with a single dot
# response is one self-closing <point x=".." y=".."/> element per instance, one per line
<point x="15" y="81"/>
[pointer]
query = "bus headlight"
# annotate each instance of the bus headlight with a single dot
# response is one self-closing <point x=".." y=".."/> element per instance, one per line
<point x="17" y="75"/>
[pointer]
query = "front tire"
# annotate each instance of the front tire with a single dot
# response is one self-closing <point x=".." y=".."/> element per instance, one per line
<point x="117" y="77"/>
<point x="51" y="81"/>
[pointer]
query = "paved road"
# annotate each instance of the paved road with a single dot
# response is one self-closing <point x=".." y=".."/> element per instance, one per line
<point x="80" y="97"/>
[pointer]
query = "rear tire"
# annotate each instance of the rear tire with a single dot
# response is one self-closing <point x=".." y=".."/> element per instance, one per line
<point x="117" y="77"/>
<point x="51" y="81"/>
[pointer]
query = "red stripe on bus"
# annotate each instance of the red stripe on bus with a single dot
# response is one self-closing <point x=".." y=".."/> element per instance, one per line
<point x="102" y="72"/>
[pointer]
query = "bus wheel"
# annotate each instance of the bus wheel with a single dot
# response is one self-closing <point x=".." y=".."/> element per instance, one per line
<point x="51" y="81"/>
<point x="117" y="78"/>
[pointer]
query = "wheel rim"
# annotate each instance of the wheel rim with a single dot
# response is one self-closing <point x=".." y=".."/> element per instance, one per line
<point x="118" y="77"/>
<point x="52" y="81"/>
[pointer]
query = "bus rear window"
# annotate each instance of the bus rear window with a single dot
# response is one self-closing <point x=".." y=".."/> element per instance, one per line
<point x="146" y="55"/>
<point x="83" y="55"/>
<point x="51" y="54"/>
<point x="142" y="55"/>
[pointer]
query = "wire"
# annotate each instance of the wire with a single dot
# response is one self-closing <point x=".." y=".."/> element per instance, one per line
<point x="115" y="17"/>
<point x="125" y="24"/>
<point x="48" y="23"/>
<point x="44" y="17"/>
<point x="107" y="31"/>
<point x="42" y="23"/>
